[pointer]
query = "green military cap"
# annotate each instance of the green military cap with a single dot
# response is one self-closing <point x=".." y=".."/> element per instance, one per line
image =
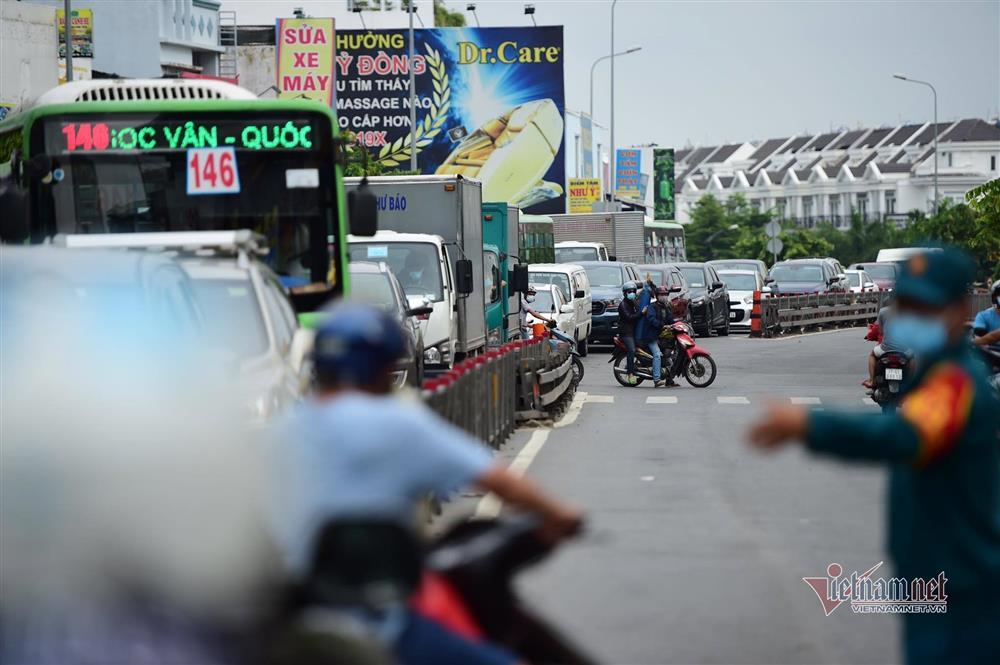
<point x="937" y="277"/>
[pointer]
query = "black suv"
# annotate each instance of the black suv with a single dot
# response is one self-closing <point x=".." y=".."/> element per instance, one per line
<point x="799" y="276"/>
<point x="709" y="299"/>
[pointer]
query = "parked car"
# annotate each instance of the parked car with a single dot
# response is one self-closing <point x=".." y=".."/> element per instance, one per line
<point x="741" y="285"/>
<point x="709" y="299"/>
<point x="245" y="311"/>
<point x="756" y="265"/>
<point x="376" y="285"/>
<point x="861" y="282"/>
<point x="884" y="274"/>
<point x="572" y="281"/>
<point x="571" y="251"/>
<point x="670" y="276"/>
<point x="901" y="254"/>
<point x="606" y="280"/>
<point x="798" y="276"/>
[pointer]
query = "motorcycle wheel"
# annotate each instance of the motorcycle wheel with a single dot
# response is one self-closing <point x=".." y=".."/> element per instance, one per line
<point x="700" y="371"/>
<point x="620" y="373"/>
<point x="577" y="369"/>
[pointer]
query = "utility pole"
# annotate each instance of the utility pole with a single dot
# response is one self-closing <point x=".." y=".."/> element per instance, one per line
<point x="901" y="77"/>
<point x="413" y="97"/>
<point x="614" y="157"/>
<point x="68" y="35"/>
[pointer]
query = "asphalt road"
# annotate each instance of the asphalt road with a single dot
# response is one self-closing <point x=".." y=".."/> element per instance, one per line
<point x="698" y="544"/>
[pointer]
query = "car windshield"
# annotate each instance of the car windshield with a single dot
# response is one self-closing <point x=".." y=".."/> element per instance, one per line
<point x="228" y="305"/>
<point x="416" y="265"/>
<point x="695" y="277"/>
<point x="543" y="302"/>
<point x="791" y="272"/>
<point x="855" y="278"/>
<point x="373" y="288"/>
<point x="559" y="279"/>
<point x="656" y="275"/>
<point x="738" y="281"/>
<point x="881" y="271"/>
<point x="734" y="265"/>
<point x="605" y="275"/>
<point x="574" y="254"/>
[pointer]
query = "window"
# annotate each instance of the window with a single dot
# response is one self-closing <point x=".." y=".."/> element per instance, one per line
<point x="890" y="203"/>
<point x="993" y="162"/>
<point x="781" y="205"/>
<point x="557" y="278"/>
<point x="492" y="276"/>
<point x="695" y="277"/>
<point x="231" y="305"/>
<point x="863" y="205"/>
<point x="417" y="265"/>
<point x="605" y="275"/>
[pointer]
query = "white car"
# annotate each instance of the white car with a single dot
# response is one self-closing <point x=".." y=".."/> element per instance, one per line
<point x="549" y="301"/>
<point x="861" y="282"/>
<point x="574" y="285"/>
<point x="741" y="284"/>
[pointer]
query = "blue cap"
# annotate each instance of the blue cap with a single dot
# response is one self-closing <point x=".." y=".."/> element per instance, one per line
<point x="357" y="342"/>
<point x="936" y="277"/>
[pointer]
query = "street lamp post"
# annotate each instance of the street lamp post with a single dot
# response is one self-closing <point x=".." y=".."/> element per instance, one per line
<point x="413" y="95"/>
<point x="709" y="239"/>
<point x="68" y="35"/>
<point x="594" y="66"/>
<point x="614" y="183"/>
<point x="901" y="77"/>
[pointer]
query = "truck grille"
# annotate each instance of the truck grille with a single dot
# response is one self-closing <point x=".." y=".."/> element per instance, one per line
<point x="597" y="308"/>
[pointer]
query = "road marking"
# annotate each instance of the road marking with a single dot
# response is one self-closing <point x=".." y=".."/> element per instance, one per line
<point x="647" y="479"/>
<point x="662" y="399"/>
<point x="600" y="399"/>
<point x="810" y="334"/>
<point x="573" y="412"/>
<point x="868" y="401"/>
<point x="806" y="400"/>
<point x="489" y="506"/>
<point x="733" y="400"/>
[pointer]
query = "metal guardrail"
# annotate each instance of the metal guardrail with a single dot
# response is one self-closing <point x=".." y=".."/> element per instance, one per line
<point x="487" y="395"/>
<point x="781" y="315"/>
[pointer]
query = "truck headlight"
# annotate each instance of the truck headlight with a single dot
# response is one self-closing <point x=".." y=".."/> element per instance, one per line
<point x="432" y="356"/>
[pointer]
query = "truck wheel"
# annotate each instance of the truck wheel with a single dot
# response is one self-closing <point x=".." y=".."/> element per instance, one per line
<point x="583" y="347"/>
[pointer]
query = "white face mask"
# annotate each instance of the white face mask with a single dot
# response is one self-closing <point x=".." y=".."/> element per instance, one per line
<point x="529" y="298"/>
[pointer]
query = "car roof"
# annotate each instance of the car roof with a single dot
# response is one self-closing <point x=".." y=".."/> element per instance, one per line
<point x="691" y="264"/>
<point x="198" y="267"/>
<point x="77" y="266"/>
<point x="592" y="264"/>
<point x="368" y="267"/>
<point x="395" y="236"/>
<point x="737" y="272"/>
<point x="715" y="261"/>
<point x="801" y="261"/>
<point x="658" y="266"/>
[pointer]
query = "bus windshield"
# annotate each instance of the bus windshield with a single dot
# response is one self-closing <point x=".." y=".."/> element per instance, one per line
<point x="270" y="172"/>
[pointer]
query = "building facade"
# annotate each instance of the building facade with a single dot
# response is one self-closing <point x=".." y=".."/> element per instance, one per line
<point x="881" y="173"/>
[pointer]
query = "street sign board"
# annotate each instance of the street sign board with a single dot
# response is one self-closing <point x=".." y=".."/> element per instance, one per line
<point x="774" y="245"/>
<point x="773" y="229"/>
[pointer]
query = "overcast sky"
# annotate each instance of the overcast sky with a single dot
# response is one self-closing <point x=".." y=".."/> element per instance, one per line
<point x="712" y="72"/>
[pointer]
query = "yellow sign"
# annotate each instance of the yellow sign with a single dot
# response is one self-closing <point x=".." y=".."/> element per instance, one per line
<point x="583" y="194"/>
<point x="306" y="58"/>
<point x="82" y="32"/>
<point x="82" y="69"/>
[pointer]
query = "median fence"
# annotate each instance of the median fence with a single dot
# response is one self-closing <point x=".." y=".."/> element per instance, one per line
<point x="782" y="315"/>
<point x="488" y="394"/>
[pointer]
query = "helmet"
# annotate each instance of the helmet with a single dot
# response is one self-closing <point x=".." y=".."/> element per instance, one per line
<point x="357" y="343"/>
<point x="662" y="291"/>
<point x="995" y="289"/>
<point x="629" y="286"/>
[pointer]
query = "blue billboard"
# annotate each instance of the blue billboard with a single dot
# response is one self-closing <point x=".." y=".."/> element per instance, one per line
<point x="490" y="106"/>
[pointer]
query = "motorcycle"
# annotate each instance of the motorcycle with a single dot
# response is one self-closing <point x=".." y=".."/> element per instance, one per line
<point x="890" y="372"/>
<point x="681" y="357"/>
<point x="563" y="337"/>
<point x="463" y="581"/>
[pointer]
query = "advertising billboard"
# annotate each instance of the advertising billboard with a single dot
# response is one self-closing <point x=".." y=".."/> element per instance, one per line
<point x="490" y="106"/>
<point x="305" y="53"/>
<point x="583" y="194"/>
<point x="663" y="183"/>
<point x="627" y="174"/>
<point x="587" y="145"/>
<point x="81" y="32"/>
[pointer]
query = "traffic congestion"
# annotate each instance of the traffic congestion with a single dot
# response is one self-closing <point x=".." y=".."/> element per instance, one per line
<point x="271" y="397"/>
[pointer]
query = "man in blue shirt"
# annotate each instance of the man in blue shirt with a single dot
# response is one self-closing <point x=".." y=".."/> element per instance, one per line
<point x="986" y="327"/>
<point x="357" y="451"/>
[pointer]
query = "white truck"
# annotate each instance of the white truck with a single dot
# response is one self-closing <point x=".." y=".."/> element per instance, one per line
<point x="620" y="234"/>
<point x="432" y="239"/>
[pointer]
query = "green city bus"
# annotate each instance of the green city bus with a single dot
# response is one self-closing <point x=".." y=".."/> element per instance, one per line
<point x="664" y="242"/>
<point x="537" y="240"/>
<point x="131" y="155"/>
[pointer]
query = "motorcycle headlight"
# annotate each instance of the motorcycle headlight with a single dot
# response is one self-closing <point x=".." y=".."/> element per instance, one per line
<point x="432" y="356"/>
<point x="698" y="301"/>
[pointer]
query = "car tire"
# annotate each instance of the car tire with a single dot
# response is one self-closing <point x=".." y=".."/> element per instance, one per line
<point x="724" y="330"/>
<point x="583" y="347"/>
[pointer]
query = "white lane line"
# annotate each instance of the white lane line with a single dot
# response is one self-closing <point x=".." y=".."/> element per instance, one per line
<point x="662" y="399"/>
<point x="806" y="400"/>
<point x="600" y="399"/>
<point x="733" y="400"/>
<point x="868" y="401"/>
<point x="573" y="412"/>
<point x="489" y="506"/>
<point x="808" y="334"/>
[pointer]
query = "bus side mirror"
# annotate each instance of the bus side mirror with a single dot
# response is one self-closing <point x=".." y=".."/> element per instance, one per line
<point x="14" y="226"/>
<point x="519" y="278"/>
<point x="463" y="277"/>
<point x="362" y="208"/>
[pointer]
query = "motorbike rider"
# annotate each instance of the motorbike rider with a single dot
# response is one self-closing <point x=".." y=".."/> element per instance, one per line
<point x="986" y="327"/>
<point x="942" y="449"/>
<point x="526" y="301"/>
<point x="356" y="451"/>
<point x="629" y="314"/>
<point x="660" y="318"/>
<point x="883" y="346"/>
<point x="647" y="330"/>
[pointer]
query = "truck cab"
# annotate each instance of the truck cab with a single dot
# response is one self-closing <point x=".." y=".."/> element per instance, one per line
<point x="500" y="255"/>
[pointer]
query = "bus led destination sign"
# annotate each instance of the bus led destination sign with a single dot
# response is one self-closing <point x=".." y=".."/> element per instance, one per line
<point x="110" y="134"/>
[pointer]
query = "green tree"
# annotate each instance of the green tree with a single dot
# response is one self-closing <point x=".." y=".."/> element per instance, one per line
<point x="984" y="201"/>
<point x="803" y="243"/>
<point x="445" y="18"/>
<point x="708" y="236"/>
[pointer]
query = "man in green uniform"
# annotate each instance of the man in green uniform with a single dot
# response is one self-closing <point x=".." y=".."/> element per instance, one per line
<point x="944" y="453"/>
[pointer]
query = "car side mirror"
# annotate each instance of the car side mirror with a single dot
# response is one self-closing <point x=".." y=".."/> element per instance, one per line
<point x="717" y="285"/>
<point x="833" y="280"/>
<point x="675" y="289"/>
<point x="579" y="293"/>
<point x="519" y="278"/>
<point x="766" y="289"/>
<point x="567" y="308"/>
<point x="463" y="277"/>
<point x="14" y="226"/>
<point x="362" y="209"/>
<point x="612" y="258"/>
<point x="769" y="280"/>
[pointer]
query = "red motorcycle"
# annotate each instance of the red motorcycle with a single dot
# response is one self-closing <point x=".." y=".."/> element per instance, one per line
<point x="681" y="357"/>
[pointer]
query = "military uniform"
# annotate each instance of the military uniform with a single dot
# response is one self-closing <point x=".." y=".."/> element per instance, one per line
<point x="944" y="494"/>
